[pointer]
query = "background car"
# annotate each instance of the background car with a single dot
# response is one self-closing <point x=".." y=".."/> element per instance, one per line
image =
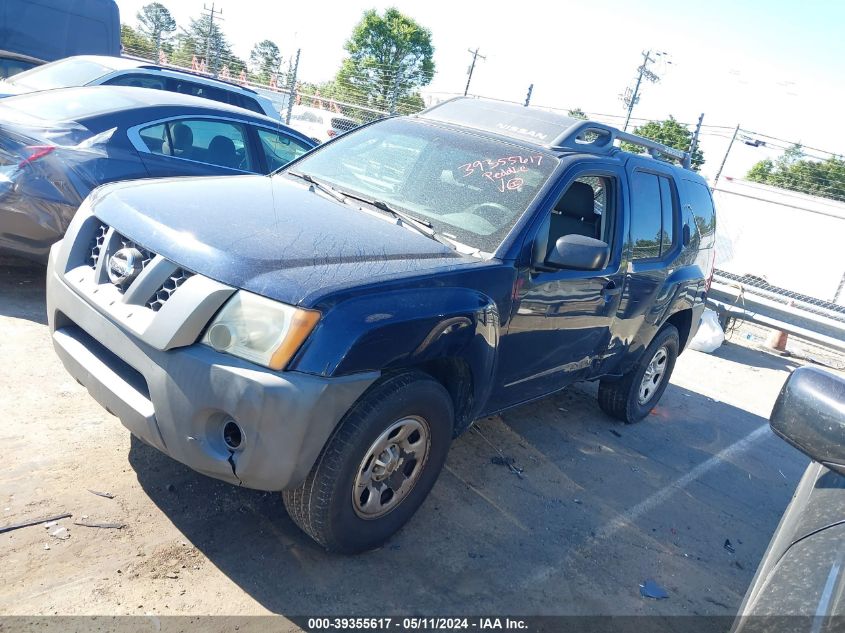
<point x="56" y="146"/>
<point x="802" y="574"/>
<point x="321" y="125"/>
<point x="101" y="70"/>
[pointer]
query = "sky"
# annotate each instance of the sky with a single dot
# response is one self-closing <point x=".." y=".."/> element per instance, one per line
<point x="774" y="67"/>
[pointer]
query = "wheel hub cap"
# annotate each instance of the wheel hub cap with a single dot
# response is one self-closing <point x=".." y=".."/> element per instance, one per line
<point x="653" y="376"/>
<point x="391" y="467"/>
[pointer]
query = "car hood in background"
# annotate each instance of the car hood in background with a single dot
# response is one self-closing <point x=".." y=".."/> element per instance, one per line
<point x="269" y="235"/>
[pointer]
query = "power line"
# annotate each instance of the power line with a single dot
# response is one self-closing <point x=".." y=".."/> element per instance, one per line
<point x="475" y="56"/>
<point x="211" y="13"/>
<point x="631" y="96"/>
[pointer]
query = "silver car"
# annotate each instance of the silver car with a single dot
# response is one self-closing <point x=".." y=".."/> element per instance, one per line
<point x="102" y="70"/>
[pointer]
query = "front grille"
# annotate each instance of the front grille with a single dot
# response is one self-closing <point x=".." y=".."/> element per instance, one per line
<point x="147" y="256"/>
<point x="179" y="276"/>
<point x="105" y="242"/>
<point x="97" y="245"/>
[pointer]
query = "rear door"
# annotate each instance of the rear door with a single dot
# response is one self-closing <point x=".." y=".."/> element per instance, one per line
<point x="653" y="245"/>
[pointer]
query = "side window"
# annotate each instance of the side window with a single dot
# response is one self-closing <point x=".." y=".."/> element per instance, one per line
<point x="221" y="143"/>
<point x="243" y="101"/>
<point x="585" y="208"/>
<point x="137" y="80"/>
<point x="652" y="213"/>
<point x="667" y="203"/>
<point x="279" y="149"/>
<point x="11" y="66"/>
<point x="155" y="137"/>
<point x="199" y="90"/>
<point x="699" y="200"/>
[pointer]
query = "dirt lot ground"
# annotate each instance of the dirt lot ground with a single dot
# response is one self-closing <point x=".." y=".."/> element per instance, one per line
<point x="599" y="508"/>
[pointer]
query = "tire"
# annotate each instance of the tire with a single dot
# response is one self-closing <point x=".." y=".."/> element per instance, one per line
<point x="621" y="399"/>
<point x="345" y="521"/>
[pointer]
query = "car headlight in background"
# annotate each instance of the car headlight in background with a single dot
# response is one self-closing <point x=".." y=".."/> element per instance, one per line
<point x="260" y="330"/>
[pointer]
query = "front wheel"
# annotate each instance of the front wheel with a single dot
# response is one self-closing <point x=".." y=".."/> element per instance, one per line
<point x="378" y="466"/>
<point x="636" y="394"/>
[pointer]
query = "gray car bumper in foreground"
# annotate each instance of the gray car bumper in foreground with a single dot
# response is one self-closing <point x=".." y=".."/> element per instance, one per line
<point x="178" y="400"/>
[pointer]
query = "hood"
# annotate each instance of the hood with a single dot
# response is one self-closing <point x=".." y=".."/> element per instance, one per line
<point x="270" y="235"/>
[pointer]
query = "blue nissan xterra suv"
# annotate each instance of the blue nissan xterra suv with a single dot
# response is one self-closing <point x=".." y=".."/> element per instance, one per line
<point x="327" y="330"/>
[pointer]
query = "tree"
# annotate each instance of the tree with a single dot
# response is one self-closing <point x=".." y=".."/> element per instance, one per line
<point x="135" y="42"/>
<point x="264" y="60"/>
<point x="577" y="113"/>
<point x="390" y="58"/>
<point x="204" y="37"/>
<point x="824" y="178"/>
<point x="670" y="133"/>
<point x="155" y="22"/>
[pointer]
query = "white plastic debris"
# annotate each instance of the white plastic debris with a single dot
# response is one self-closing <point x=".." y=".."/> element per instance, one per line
<point x="710" y="335"/>
<point x="60" y="533"/>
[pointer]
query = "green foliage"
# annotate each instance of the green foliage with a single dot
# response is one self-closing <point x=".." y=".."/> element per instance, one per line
<point x="136" y="43"/>
<point x="156" y="23"/>
<point x="792" y="171"/>
<point x="390" y="58"/>
<point x="201" y="37"/>
<point x="577" y="113"/>
<point x="668" y="132"/>
<point x="264" y="60"/>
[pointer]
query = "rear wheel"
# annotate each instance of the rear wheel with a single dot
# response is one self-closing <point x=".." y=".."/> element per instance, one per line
<point x="636" y="394"/>
<point x="378" y="467"/>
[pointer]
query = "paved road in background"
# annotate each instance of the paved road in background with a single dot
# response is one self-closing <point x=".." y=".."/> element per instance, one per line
<point x="599" y="506"/>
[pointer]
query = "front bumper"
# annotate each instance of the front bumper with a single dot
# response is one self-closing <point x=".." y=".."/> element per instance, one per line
<point x="178" y="399"/>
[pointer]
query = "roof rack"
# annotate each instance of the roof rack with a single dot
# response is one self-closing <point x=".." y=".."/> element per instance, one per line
<point x="577" y="138"/>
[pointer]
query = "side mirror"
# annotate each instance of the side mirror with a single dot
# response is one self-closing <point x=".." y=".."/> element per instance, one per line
<point x="579" y="252"/>
<point x="810" y="414"/>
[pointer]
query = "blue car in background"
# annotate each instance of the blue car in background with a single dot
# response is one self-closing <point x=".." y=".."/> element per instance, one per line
<point x="58" y="145"/>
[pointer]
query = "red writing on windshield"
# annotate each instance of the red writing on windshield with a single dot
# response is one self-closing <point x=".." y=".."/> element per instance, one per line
<point x="502" y="171"/>
<point x="486" y="165"/>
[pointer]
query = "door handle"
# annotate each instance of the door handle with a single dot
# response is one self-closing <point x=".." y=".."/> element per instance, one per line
<point x="610" y="289"/>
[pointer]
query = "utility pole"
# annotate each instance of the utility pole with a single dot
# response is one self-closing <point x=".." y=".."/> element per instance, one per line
<point x="475" y="56"/>
<point x="292" y="87"/>
<point x="693" y="145"/>
<point x="724" y="160"/>
<point x="528" y="96"/>
<point x="632" y="96"/>
<point x="394" y="93"/>
<point x="210" y="13"/>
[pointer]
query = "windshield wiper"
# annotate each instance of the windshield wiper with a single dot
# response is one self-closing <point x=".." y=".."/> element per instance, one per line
<point x="422" y="226"/>
<point x="321" y="186"/>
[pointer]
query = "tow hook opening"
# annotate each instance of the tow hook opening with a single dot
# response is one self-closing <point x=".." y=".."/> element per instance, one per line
<point x="232" y="435"/>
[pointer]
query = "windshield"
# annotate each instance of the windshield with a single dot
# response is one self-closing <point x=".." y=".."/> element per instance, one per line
<point x="61" y="74"/>
<point x="471" y="189"/>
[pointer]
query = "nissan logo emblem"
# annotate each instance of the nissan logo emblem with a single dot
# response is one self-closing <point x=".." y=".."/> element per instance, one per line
<point x="125" y="265"/>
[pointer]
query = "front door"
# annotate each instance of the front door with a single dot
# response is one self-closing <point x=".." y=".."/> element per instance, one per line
<point x="562" y="320"/>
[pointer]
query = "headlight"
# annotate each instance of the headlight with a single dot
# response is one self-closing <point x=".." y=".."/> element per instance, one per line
<point x="259" y="329"/>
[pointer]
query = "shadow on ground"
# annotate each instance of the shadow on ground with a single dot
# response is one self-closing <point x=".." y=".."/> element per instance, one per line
<point x="22" y="289"/>
<point x="754" y="358"/>
<point x="559" y="538"/>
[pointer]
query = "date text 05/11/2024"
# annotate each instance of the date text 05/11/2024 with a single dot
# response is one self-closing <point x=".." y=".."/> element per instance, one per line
<point x="416" y="624"/>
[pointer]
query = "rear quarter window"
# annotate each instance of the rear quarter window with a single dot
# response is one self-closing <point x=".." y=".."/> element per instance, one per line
<point x="698" y="202"/>
<point x="245" y="102"/>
